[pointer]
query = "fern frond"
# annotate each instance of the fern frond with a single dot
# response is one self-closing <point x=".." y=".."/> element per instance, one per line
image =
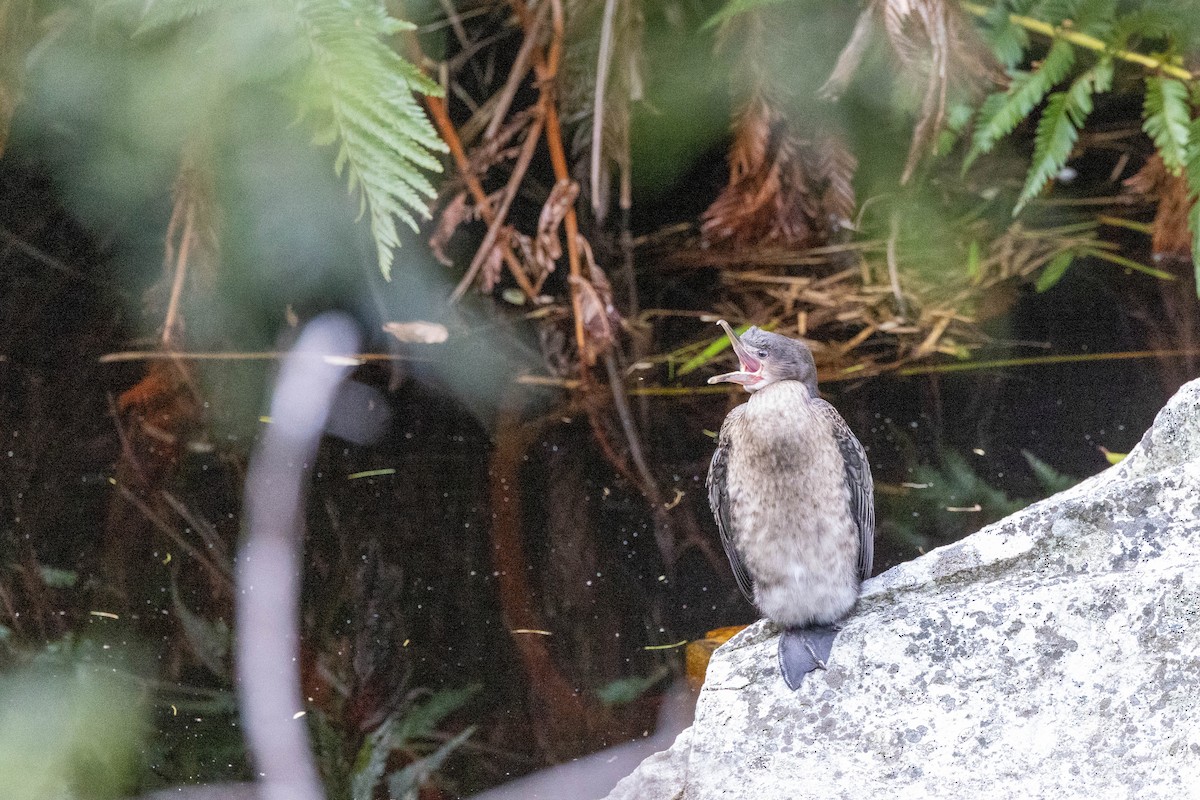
<point x="1141" y="23"/>
<point x="1004" y="111"/>
<point x="1095" y="18"/>
<point x="1168" y="120"/>
<point x="1008" y="40"/>
<point x="1192" y="174"/>
<point x="1055" y="11"/>
<point x="1059" y="127"/>
<point x="362" y="94"/>
<point x="1192" y="167"/>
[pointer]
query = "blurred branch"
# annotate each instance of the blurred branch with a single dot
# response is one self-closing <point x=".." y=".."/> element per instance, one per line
<point x="269" y="565"/>
<point x="260" y="355"/>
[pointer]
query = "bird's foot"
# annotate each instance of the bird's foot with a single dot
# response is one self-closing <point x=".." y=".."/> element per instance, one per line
<point x="802" y="650"/>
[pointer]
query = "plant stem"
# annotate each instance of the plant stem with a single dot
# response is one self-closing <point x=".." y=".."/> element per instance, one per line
<point x="1085" y="41"/>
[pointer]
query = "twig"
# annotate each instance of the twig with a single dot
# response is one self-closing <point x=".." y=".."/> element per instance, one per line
<point x="270" y="566"/>
<point x="455" y="21"/>
<point x="48" y="260"/>
<point x="603" y="64"/>
<point x="662" y="529"/>
<point x="218" y="571"/>
<point x="1042" y="361"/>
<point x="894" y="266"/>
<point x="203" y="528"/>
<point x="546" y="66"/>
<point x="262" y="355"/>
<point x="501" y="215"/>
<point x="515" y="76"/>
<point x="446" y="129"/>
<point x="184" y="204"/>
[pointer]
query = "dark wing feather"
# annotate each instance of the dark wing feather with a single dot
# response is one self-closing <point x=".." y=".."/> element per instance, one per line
<point x="718" y="499"/>
<point x="858" y="479"/>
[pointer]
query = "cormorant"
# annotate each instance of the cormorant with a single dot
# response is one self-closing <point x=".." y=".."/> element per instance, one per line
<point x="791" y="488"/>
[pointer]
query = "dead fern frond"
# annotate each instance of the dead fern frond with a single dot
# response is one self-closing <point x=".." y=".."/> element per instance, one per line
<point x="937" y="47"/>
<point x="1171" y="238"/>
<point x="782" y="190"/>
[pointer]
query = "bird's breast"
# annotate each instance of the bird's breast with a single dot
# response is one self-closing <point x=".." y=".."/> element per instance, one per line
<point x="789" y="508"/>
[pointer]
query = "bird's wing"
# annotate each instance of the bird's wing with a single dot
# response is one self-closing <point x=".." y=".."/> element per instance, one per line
<point x="718" y="499"/>
<point x="858" y="479"/>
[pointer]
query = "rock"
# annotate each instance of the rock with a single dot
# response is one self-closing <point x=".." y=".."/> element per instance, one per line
<point x="1053" y="654"/>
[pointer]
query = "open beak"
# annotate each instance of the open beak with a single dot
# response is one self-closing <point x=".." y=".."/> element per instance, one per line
<point x="750" y="371"/>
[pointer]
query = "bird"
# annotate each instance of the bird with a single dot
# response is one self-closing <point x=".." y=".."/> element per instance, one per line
<point x="791" y="490"/>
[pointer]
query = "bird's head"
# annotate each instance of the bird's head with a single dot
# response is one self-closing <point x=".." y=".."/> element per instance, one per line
<point x="765" y="358"/>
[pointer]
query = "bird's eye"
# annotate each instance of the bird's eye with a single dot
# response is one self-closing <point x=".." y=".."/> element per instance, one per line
<point x="761" y="353"/>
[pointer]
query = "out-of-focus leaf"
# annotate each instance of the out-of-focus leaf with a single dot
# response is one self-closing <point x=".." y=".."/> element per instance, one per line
<point x="420" y="720"/>
<point x="209" y="640"/>
<point x="1051" y="479"/>
<point x="67" y="731"/>
<point x="973" y="259"/>
<point x="1111" y="457"/>
<point x="59" y="578"/>
<point x="626" y="690"/>
<point x="1053" y="272"/>
<point x="735" y="7"/>
<point x="371" y="761"/>
<point x="1194" y="219"/>
<point x="699" y="653"/>
<point x="405" y="784"/>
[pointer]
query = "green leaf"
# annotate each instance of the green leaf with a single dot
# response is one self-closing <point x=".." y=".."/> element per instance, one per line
<point x="371" y="761"/>
<point x="421" y="720"/>
<point x="1141" y="23"/>
<point x="59" y="578"/>
<point x="1111" y="457"/>
<point x="958" y="115"/>
<point x="1056" y="134"/>
<point x="1007" y="39"/>
<point x="1194" y="223"/>
<point x="974" y="259"/>
<point x="626" y="690"/>
<point x="1053" y="272"/>
<point x="734" y="7"/>
<point x="1004" y="111"/>
<point x="1168" y="120"/>
<point x="1058" y="129"/>
<point x="1192" y="174"/>
<point x="1095" y="17"/>
<point x="1102" y="76"/>
<point x="1052" y="480"/>
<point x="406" y="784"/>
